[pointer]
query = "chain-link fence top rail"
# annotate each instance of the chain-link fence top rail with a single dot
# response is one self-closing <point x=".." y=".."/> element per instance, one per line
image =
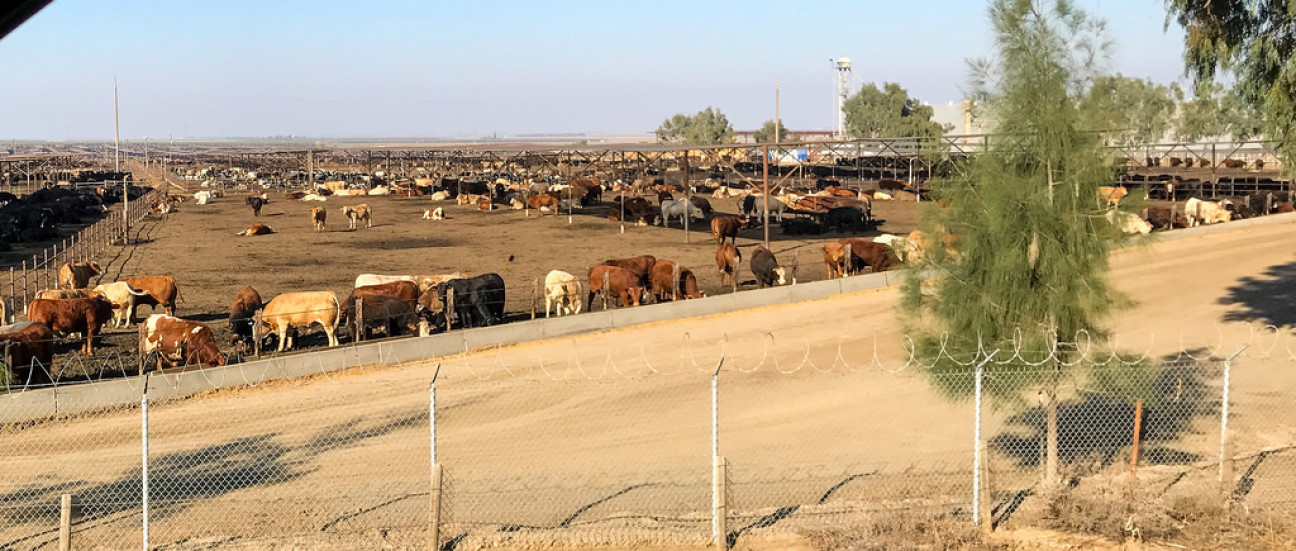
<point x="581" y="444"/>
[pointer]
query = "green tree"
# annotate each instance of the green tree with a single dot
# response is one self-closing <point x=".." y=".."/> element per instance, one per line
<point x="889" y="113"/>
<point x="1216" y="111"/>
<point x="1030" y="275"/>
<point x="1251" y="40"/>
<point x="1130" y="111"/>
<point x="708" y="126"/>
<point x="766" y="132"/>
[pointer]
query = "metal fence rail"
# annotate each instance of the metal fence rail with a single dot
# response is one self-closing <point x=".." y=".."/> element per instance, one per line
<point x="489" y="453"/>
<point x="41" y="272"/>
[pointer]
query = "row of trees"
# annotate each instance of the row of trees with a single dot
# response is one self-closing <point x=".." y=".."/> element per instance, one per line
<point x="871" y="113"/>
<point x="1128" y="111"/>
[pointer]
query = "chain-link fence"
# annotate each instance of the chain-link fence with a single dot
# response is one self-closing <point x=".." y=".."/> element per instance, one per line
<point x="555" y="445"/>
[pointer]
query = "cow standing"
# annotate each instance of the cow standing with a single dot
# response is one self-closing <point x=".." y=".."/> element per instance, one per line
<point x="256" y="202"/>
<point x="563" y="292"/>
<point x="28" y="351"/>
<point x="727" y="258"/>
<point x="766" y="269"/>
<point x="77" y="275"/>
<point x="727" y="227"/>
<point x="293" y="310"/>
<point x="666" y="287"/>
<point x="77" y="315"/>
<point x="318" y="217"/>
<point x="617" y="284"/>
<point x="477" y="301"/>
<point x="158" y="291"/>
<point x="242" y="313"/>
<point x="180" y="342"/>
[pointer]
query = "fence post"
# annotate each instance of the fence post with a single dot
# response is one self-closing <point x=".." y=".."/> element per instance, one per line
<point x="25" y="283"/>
<point x="434" y="495"/>
<point x="449" y="308"/>
<point x="256" y="333"/>
<point x="1226" y="455"/>
<point x="45" y="264"/>
<point x="606" y="291"/>
<point x="65" y="522"/>
<point x="675" y="282"/>
<point x="144" y="464"/>
<point x="850" y="261"/>
<point x="1138" y="429"/>
<point x="359" y="320"/>
<point x="719" y="474"/>
<point x="979" y="517"/>
<point x="534" y="283"/>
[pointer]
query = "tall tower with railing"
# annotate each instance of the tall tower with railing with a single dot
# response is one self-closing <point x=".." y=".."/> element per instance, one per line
<point x="843" y="66"/>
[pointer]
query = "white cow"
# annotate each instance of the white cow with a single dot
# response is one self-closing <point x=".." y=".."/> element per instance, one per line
<point x="122" y="297"/>
<point x="678" y="208"/>
<point x="202" y="197"/>
<point x="434" y="214"/>
<point x="1201" y="212"/>
<point x="564" y="292"/>
<point x="440" y="195"/>
<point x="1127" y="223"/>
<point x="363" y="280"/>
<point x="380" y="190"/>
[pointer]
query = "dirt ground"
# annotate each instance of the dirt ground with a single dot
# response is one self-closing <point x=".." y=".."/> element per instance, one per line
<point x="604" y="440"/>
<point x="198" y="246"/>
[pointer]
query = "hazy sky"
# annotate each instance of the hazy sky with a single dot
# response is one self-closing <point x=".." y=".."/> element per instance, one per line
<point x="317" y="68"/>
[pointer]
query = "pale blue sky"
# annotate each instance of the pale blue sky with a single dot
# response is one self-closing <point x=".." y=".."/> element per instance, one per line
<point x="469" y="68"/>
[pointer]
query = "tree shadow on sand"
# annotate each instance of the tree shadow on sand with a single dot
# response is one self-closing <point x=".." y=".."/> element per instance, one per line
<point x="1269" y="298"/>
<point x="1098" y="428"/>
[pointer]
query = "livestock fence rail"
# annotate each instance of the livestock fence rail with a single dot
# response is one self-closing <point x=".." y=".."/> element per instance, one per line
<point x="91" y="242"/>
<point x="704" y="444"/>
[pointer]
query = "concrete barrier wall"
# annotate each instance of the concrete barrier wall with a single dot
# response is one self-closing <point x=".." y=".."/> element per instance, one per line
<point x="36" y="404"/>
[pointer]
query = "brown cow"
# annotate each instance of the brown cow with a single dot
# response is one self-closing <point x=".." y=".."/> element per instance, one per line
<point x="623" y="286"/>
<point x="256" y="229"/>
<point x="28" y="350"/>
<point x="160" y="291"/>
<point x="302" y="309"/>
<point x="77" y="275"/>
<point x="180" y="342"/>
<point x="543" y="202"/>
<point x="318" y="217"/>
<point x="728" y="257"/>
<point x="869" y="253"/>
<point x="726" y="227"/>
<point x="393" y="315"/>
<point x="835" y="259"/>
<point x="242" y="312"/>
<point x="641" y="266"/>
<point x="407" y="291"/>
<point x="664" y="287"/>
<point x="74" y="315"/>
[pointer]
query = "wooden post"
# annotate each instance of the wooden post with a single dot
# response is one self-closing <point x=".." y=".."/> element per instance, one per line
<point x="606" y="292"/>
<point x="766" y="191"/>
<point x="1138" y="428"/>
<point x="256" y="333"/>
<point x="359" y="320"/>
<point x="434" y="509"/>
<point x="65" y="522"/>
<point x="449" y="308"/>
<point x="719" y="503"/>
<point x="675" y="282"/>
<point x="850" y="261"/>
<point x="688" y="196"/>
<point x="534" y="284"/>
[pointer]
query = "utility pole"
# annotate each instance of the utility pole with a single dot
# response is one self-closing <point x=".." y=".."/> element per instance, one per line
<point x="116" y="131"/>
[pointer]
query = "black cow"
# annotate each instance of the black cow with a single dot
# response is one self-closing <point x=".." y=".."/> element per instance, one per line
<point x="702" y="204"/>
<point x="766" y="268"/>
<point x="394" y="315"/>
<point x="478" y="301"/>
<point x="845" y="219"/>
<point x="801" y="226"/>
<point x="256" y="203"/>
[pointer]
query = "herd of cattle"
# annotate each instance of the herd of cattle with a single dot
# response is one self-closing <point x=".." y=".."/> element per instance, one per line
<point x="405" y="304"/>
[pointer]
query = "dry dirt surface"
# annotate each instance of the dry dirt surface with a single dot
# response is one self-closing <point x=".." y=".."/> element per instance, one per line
<point x="199" y="247"/>
<point x="604" y="439"/>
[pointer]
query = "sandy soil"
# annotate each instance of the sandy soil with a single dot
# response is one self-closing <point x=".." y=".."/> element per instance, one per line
<point x="605" y="439"/>
<point x="197" y="245"/>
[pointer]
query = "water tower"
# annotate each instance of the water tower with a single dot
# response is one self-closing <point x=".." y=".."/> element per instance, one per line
<point x="843" y="66"/>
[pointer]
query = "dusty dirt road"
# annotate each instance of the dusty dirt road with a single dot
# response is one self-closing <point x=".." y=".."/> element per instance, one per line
<point x="605" y="439"/>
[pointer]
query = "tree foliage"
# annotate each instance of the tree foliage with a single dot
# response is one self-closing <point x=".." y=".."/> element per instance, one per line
<point x="889" y="113"/>
<point x="708" y="126"/>
<point x="1130" y="111"/>
<point x="1030" y="273"/>
<point x="1254" y="41"/>
<point x="766" y="132"/>
<point x="1216" y="111"/>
